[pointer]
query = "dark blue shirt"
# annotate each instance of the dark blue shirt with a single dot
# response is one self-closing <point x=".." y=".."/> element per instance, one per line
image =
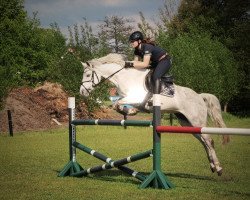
<point x="149" y="49"/>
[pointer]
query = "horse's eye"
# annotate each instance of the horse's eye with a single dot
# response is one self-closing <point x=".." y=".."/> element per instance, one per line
<point x="88" y="75"/>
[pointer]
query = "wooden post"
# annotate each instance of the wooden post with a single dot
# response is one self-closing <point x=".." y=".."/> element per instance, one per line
<point x="10" y="123"/>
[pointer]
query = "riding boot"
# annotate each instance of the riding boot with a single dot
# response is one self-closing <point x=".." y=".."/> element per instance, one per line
<point x="146" y="100"/>
<point x="157" y="88"/>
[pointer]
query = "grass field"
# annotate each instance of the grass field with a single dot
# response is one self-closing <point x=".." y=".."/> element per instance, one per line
<point x="30" y="163"/>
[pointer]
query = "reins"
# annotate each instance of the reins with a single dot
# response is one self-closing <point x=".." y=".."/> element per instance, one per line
<point x="103" y="80"/>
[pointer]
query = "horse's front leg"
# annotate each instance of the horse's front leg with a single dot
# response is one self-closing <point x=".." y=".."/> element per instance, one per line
<point x="125" y="107"/>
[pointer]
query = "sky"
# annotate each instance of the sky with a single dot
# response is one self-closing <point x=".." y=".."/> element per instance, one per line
<point x="69" y="12"/>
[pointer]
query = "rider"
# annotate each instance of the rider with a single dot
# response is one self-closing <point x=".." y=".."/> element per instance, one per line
<point x="146" y="53"/>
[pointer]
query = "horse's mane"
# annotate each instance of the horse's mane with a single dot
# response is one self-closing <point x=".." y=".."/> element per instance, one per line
<point x="112" y="58"/>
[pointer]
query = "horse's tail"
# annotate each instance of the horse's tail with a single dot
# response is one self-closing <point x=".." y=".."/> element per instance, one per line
<point x="214" y="112"/>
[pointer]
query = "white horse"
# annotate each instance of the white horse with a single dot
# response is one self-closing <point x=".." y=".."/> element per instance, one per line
<point x="190" y="108"/>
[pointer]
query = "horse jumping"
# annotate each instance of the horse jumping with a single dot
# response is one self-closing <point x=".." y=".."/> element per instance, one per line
<point x="190" y="108"/>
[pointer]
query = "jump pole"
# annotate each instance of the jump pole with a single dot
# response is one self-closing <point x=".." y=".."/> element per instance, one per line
<point x="110" y="163"/>
<point x="203" y="130"/>
<point x="156" y="179"/>
<point x="108" y="160"/>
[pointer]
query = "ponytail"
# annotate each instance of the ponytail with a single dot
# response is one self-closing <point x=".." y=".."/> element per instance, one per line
<point x="148" y="41"/>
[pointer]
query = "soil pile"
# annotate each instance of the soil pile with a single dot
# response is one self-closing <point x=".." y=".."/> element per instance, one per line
<point x="45" y="107"/>
<point x="34" y="109"/>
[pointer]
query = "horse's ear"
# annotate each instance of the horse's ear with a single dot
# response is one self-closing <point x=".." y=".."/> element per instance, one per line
<point x="85" y="64"/>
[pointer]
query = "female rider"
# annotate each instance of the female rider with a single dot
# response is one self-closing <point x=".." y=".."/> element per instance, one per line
<point x="146" y="53"/>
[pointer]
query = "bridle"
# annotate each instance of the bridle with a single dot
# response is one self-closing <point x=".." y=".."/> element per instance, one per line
<point x="92" y="80"/>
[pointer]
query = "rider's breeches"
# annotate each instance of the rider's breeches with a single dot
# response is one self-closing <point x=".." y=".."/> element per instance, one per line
<point x="161" y="69"/>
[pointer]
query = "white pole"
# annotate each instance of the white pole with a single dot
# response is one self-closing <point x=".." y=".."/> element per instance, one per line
<point x="71" y="102"/>
<point x="225" y="131"/>
<point x="72" y="129"/>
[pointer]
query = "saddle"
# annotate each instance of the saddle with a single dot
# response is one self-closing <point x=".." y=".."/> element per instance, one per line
<point x="166" y="84"/>
<point x="166" y="89"/>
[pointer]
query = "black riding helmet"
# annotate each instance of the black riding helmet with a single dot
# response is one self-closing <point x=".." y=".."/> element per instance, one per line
<point x="135" y="36"/>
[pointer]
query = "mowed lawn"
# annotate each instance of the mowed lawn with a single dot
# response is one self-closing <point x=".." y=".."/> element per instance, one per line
<point x="30" y="163"/>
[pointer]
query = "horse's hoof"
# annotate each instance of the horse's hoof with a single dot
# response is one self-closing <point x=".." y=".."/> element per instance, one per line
<point x="213" y="169"/>
<point x="219" y="172"/>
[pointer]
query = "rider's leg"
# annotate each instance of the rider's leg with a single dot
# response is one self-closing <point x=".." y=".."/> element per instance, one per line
<point x="161" y="69"/>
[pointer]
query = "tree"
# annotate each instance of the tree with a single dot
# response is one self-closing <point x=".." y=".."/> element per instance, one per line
<point x="115" y="31"/>
<point x="12" y="21"/>
<point x="85" y="43"/>
<point x="147" y="30"/>
<point x="26" y="51"/>
<point x="235" y="19"/>
<point x="167" y="14"/>
<point x="226" y="21"/>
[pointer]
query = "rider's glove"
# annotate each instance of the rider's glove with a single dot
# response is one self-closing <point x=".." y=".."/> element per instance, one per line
<point x="128" y="64"/>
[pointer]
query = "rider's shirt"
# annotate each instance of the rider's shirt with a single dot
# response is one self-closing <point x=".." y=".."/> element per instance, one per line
<point x="149" y="49"/>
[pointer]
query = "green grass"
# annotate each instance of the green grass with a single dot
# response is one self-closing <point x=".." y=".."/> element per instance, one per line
<point x="30" y="163"/>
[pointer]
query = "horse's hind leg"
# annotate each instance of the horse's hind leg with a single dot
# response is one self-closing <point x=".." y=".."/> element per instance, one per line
<point x="208" y="144"/>
<point x="214" y="111"/>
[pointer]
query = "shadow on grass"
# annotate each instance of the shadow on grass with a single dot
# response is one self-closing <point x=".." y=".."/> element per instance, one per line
<point x="190" y="176"/>
<point x="110" y="174"/>
<point x="115" y="175"/>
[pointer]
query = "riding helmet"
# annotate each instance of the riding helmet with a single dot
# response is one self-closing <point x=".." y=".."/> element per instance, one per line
<point x="135" y="36"/>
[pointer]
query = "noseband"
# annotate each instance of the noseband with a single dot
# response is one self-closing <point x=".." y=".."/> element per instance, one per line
<point x="92" y="80"/>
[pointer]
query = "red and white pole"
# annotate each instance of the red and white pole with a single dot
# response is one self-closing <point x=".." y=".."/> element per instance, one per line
<point x="203" y="130"/>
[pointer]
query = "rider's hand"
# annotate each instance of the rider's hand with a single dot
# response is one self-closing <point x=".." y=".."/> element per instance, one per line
<point x="128" y="64"/>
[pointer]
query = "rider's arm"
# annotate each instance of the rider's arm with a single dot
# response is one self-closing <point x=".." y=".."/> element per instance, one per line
<point x="144" y="63"/>
<point x="136" y="58"/>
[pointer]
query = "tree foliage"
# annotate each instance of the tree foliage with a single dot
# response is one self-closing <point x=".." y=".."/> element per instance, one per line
<point x="11" y="16"/>
<point x="225" y="21"/>
<point x="84" y="42"/>
<point x="147" y="29"/>
<point x="27" y="51"/>
<point x="115" y="31"/>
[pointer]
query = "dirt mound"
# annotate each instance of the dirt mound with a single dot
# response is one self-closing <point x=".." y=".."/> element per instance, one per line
<point x="34" y="109"/>
<point x="43" y="108"/>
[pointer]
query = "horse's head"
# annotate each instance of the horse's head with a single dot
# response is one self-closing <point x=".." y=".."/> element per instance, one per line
<point x="104" y="67"/>
<point x="90" y="79"/>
